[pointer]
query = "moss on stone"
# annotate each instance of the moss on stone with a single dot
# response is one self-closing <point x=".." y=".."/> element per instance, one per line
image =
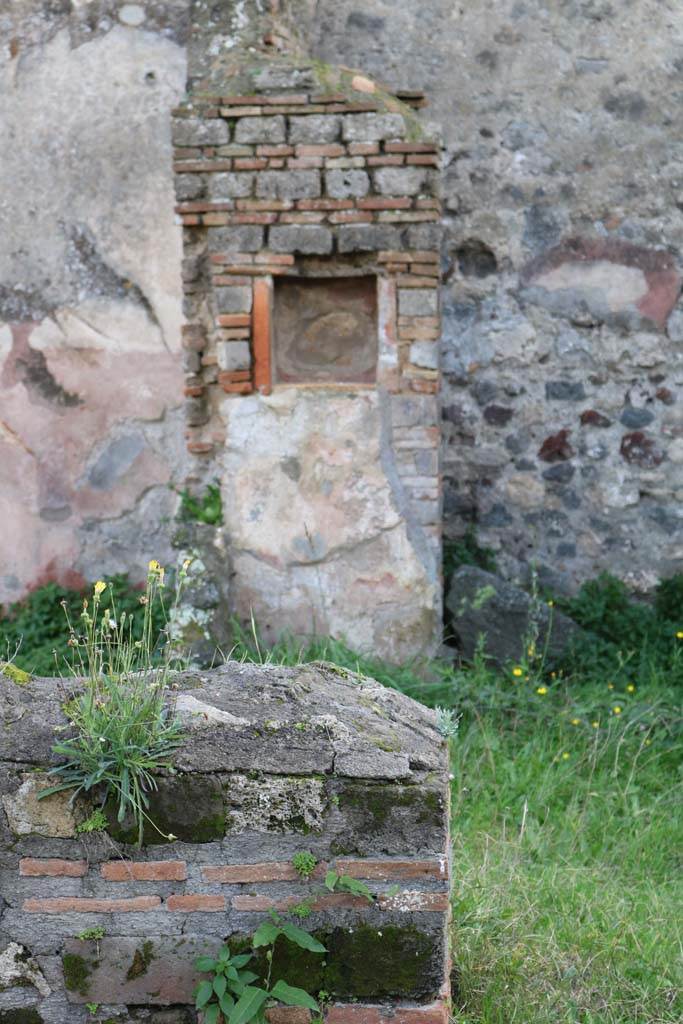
<point x="187" y="806"/>
<point x="17" y="675"/>
<point x="142" y="958"/>
<point x="77" y="973"/>
<point x="21" y="1015"/>
<point x="375" y="963"/>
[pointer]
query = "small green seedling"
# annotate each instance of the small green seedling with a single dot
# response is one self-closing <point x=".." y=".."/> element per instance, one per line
<point x="304" y="863"/>
<point x="96" y="822"/>
<point x="344" y="883"/>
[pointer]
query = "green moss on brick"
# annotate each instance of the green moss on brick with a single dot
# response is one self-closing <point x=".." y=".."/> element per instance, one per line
<point x="77" y="973"/>
<point x="376" y="963"/>
<point x="187" y="806"/>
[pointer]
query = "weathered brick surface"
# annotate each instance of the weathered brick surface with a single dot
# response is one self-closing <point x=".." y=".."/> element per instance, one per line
<point x="147" y="871"/>
<point x="89" y="905"/>
<point x="37" y="867"/>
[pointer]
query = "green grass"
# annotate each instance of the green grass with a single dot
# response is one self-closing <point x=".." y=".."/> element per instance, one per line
<point x="567" y="838"/>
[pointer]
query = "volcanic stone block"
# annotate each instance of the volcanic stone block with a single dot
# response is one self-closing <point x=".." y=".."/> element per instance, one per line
<point x="373" y="127"/>
<point x="305" y="238"/>
<point x="230" y="186"/>
<point x="288" y="185"/>
<point x="193" y="132"/>
<point x="345" y="184"/>
<point x="260" y="129"/>
<point x="315" y="128"/>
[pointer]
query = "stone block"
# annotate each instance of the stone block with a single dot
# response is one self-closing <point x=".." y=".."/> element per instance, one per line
<point x="195" y="132"/>
<point x="233" y="355"/>
<point x="425" y="354"/>
<point x="260" y="129"/>
<point x="482" y="604"/>
<point x="565" y="390"/>
<point x="424" y="236"/>
<point x="418" y="302"/>
<point x="230" y="186"/>
<point x="236" y="238"/>
<point x="233" y="299"/>
<point x="52" y="816"/>
<point x="188" y="186"/>
<point x="304" y="238"/>
<point x="373" y="127"/>
<point x="401" y="181"/>
<point x="345" y="184"/>
<point x="288" y="185"/>
<point x="367" y="237"/>
<point x="314" y="128"/>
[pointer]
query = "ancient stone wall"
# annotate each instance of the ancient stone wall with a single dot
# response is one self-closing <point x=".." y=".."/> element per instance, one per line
<point x="563" y="236"/>
<point x="309" y="201"/>
<point x="275" y="761"/>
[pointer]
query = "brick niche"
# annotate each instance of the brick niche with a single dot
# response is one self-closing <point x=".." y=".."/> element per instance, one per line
<point x="310" y="216"/>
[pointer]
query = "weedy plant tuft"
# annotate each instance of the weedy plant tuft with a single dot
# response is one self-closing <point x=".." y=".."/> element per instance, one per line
<point x="304" y="863"/>
<point x="123" y="718"/>
<point x="230" y="996"/>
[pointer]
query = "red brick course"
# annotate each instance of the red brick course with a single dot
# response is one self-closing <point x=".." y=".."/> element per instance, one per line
<point x="392" y="869"/>
<point x="90" y="905"/>
<point x="144" y="871"/>
<point x="53" y="867"/>
<point x="190" y="903"/>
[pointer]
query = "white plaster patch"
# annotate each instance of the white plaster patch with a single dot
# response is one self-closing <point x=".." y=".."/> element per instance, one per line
<point x="620" y="286"/>
<point x="132" y="14"/>
<point x="5" y="342"/>
<point x="196" y="714"/>
<point x="17" y="967"/>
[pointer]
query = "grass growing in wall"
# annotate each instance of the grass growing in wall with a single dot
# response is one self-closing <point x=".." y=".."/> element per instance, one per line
<point x="567" y="830"/>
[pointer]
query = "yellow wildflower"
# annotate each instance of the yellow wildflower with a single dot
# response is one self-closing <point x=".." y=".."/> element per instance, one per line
<point x="542" y="690"/>
<point x="186" y="564"/>
<point x="616" y="709"/>
<point x="679" y="634"/>
<point x="610" y="686"/>
<point x="576" y="721"/>
<point x="531" y="650"/>
<point x="648" y="742"/>
<point x="565" y="756"/>
<point x="596" y="725"/>
<point x="154" y="566"/>
<point x="551" y="604"/>
<point x="100" y="587"/>
<point x="630" y="688"/>
<point x="517" y="671"/>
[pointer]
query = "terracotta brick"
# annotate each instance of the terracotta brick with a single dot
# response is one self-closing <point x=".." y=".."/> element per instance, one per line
<point x="275" y="257"/>
<point x="190" y="220"/>
<point x="213" y="219"/>
<point x="144" y="871"/>
<point x="242" y="100"/>
<point x="193" y="391"/>
<point x="253" y="218"/>
<point x="363" y="148"/>
<point x="312" y="108"/>
<point x="236" y="334"/>
<point x="348" y="1013"/>
<point x="315" y="149"/>
<point x="275" y="150"/>
<point x="261" y="328"/>
<point x="195" y="902"/>
<point x="378" y="203"/>
<point x="303" y="163"/>
<point x="329" y="97"/>
<point x="396" y="268"/>
<point x="424" y="387"/>
<point x="88" y="905"/>
<point x="393" y="869"/>
<point x="186" y="153"/>
<point x="410" y="147"/>
<point x="423" y="160"/>
<point x="270" y="268"/>
<point x="426" y="269"/>
<point x="199" y="447"/>
<point x="419" y="333"/>
<point x="352" y="108"/>
<point x="243" y="388"/>
<point x="267" y="205"/>
<point x="275" y="871"/>
<point x="201" y="166"/>
<point x="235" y="376"/>
<point x="285" y="99"/>
<point x="351" y="217"/>
<point x="428" y="204"/>
<point x="418" y="256"/>
<point x="53" y="867"/>
<point x="436" y="1013"/>
<point x="203" y="206"/>
<point x="246" y="163"/>
<point x="276" y="165"/>
<point x="233" y="320"/>
<point x="325" y="204"/>
<point x="385" y="161"/>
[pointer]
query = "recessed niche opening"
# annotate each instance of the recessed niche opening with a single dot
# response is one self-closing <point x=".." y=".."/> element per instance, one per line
<point x="325" y="330"/>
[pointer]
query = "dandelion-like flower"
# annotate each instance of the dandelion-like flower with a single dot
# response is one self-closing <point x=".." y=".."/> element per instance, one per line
<point x="679" y="634"/>
<point x="565" y="756"/>
<point x="610" y="686"/>
<point x="616" y="710"/>
<point x="596" y="725"/>
<point x="100" y="587"/>
<point x="576" y="721"/>
<point x="630" y="688"/>
<point x="542" y="690"/>
<point x="517" y="671"/>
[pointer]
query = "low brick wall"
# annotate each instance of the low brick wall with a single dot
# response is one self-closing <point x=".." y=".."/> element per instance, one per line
<point x="276" y="761"/>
